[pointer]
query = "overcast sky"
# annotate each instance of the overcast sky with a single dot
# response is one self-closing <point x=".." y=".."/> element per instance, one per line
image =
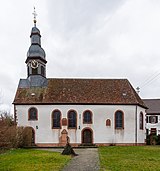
<point x="83" y="38"/>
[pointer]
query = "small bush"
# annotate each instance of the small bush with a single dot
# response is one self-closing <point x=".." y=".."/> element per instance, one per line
<point x="148" y="140"/>
<point x="153" y="139"/>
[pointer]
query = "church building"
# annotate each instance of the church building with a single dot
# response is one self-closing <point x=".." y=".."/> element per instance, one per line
<point x="85" y="111"/>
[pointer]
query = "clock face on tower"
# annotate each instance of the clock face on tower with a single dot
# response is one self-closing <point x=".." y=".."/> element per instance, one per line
<point x="34" y="64"/>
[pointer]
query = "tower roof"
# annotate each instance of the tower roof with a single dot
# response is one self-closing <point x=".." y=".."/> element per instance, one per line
<point x="35" y="30"/>
<point x="35" y="50"/>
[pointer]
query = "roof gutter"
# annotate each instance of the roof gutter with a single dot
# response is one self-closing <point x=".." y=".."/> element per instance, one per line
<point x="58" y="103"/>
<point x="136" y="126"/>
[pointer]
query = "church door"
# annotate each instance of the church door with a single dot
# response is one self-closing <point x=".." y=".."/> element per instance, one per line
<point x="33" y="137"/>
<point x="29" y="136"/>
<point x="87" y="136"/>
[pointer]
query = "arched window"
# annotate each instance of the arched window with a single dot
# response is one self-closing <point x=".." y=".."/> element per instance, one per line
<point x="34" y="71"/>
<point x="42" y="70"/>
<point x="87" y="117"/>
<point x="28" y="71"/>
<point x="141" y="120"/>
<point x="119" y="120"/>
<point x="56" y="119"/>
<point x="33" y="114"/>
<point x="108" y="122"/>
<point x="72" y="119"/>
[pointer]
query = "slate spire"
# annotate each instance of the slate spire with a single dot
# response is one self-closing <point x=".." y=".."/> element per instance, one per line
<point x="36" y="57"/>
<point x="35" y="50"/>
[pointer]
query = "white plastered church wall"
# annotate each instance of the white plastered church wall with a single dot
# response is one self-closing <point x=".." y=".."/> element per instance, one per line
<point x="101" y="133"/>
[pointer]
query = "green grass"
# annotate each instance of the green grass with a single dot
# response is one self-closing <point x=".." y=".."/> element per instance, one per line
<point x="32" y="160"/>
<point x="135" y="158"/>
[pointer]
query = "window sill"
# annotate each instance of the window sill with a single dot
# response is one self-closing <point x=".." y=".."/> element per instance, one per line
<point x="32" y="119"/>
<point x="72" y="128"/>
<point x="119" y="128"/>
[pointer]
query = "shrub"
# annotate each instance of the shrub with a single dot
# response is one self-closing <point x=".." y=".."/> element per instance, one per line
<point x="148" y="140"/>
<point x="12" y="136"/>
<point x="153" y="139"/>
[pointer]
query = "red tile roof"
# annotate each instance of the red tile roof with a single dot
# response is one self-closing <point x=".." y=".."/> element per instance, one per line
<point x="80" y="91"/>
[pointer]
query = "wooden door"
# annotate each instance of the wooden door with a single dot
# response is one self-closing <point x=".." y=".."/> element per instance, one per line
<point x="87" y="136"/>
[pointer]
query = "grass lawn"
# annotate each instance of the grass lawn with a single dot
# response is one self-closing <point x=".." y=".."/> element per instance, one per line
<point x="32" y="160"/>
<point x="135" y="158"/>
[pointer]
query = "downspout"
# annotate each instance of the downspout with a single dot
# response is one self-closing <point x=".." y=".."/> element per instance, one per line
<point x="15" y="115"/>
<point x="136" y="126"/>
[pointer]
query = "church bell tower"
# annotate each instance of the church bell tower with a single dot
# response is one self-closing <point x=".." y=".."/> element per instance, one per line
<point x="36" y="58"/>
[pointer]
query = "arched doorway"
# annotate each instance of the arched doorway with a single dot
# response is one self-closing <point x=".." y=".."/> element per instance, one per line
<point x="87" y="136"/>
<point x="29" y="136"/>
<point x="33" y="137"/>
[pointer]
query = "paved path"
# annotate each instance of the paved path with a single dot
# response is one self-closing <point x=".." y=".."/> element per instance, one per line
<point x="87" y="160"/>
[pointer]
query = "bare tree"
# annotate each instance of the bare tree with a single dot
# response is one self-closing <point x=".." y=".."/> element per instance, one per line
<point x="4" y="110"/>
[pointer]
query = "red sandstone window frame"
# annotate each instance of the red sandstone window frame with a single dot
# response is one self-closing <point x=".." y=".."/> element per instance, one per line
<point x="60" y="123"/>
<point x="115" y="122"/>
<point x="29" y="117"/>
<point x="141" y="124"/>
<point x="108" y="122"/>
<point x="91" y="117"/>
<point x="69" y="119"/>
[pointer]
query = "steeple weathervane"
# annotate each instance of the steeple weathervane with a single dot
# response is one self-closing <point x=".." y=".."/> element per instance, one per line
<point x="35" y="15"/>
